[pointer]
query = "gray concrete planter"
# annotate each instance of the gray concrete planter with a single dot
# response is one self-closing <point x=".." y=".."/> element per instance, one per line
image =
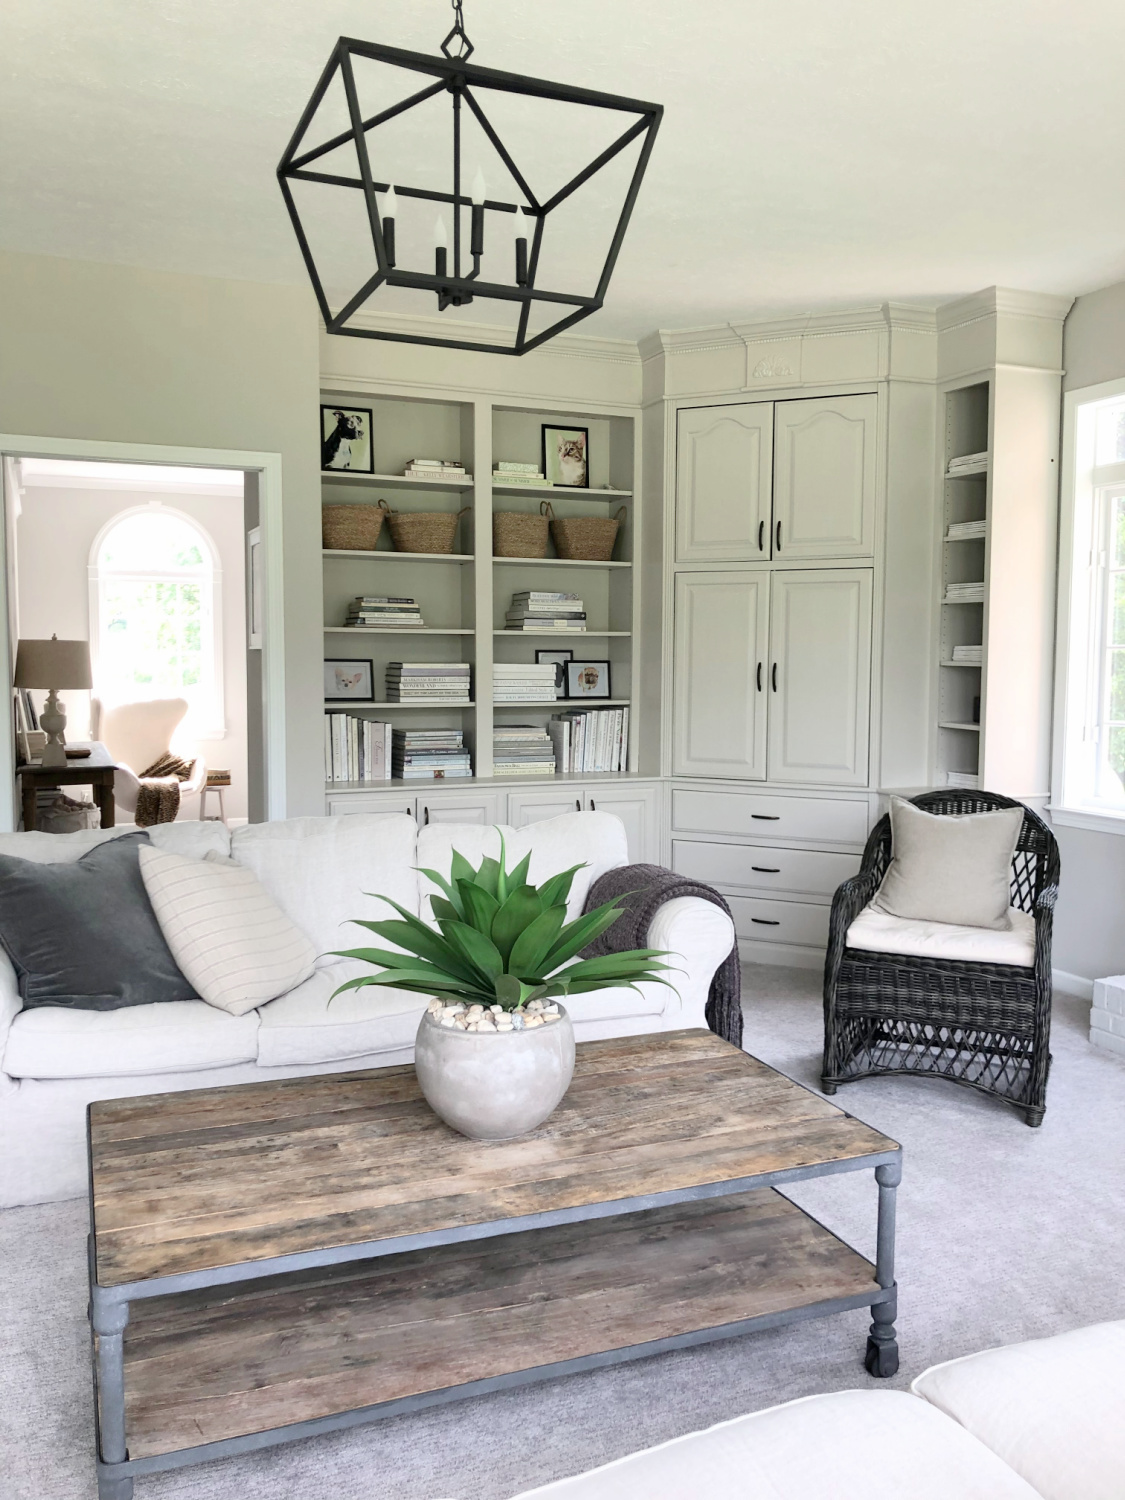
<point x="494" y="1086"/>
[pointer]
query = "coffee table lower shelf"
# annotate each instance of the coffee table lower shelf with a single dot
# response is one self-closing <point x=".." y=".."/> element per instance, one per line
<point x="229" y="1369"/>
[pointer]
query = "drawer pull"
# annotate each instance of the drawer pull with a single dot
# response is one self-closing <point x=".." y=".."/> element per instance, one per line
<point x="761" y="536"/>
<point x="765" y="922"/>
<point x="767" y="817"/>
<point x="767" y="869"/>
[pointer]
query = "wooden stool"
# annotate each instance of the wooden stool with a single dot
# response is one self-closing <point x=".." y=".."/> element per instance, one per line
<point x="216" y="781"/>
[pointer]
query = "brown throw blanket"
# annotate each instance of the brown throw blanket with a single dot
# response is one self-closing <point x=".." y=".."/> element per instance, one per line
<point x="644" y="889"/>
<point x="158" y="799"/>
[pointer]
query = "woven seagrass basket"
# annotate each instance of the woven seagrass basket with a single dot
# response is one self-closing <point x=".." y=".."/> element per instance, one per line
<point x="352" y="528"/>
<point x="517" y="535"/>
<point x="585" y="538"/>
<point x="424" y="531"/>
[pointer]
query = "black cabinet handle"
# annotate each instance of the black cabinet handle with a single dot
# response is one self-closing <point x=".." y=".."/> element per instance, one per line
<point x="578" y="804"/>
<point x="759" y="677"/>
<point x="761" y="536"/>
<point x="426" y="810"/>
<point x="593" y="805"/>
<point x="777" y="544"/>
<point x="767" y="869"/>
<point x="764" y="922"/>
<point x="773" y="677"/>
<point x="767" y="817"/>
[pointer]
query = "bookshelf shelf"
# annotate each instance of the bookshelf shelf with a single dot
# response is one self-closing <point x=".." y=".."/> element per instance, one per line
<point x="572" y="492"/>
<point x="570" y="635"/>
<point x="342" y="705"/>
<point x="970" y="473"/>
<point x="396" y="481"/>
<point x="966" y="728"/>
<point x="407" y="557"/>
<point x="970" y="666"/>
<point x="556" y="562"/>
<point x="567" y="703"/>
<point x="389" y="630"/>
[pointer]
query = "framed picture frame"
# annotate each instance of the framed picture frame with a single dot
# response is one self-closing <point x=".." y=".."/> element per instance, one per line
<point x="254" y="591"/>
<point x="345" y="440"/>
<point x="588" y="679"/>
<point x="560" y="659"/>
<point x="349" y="680"/>
<point x="566" y="455"/>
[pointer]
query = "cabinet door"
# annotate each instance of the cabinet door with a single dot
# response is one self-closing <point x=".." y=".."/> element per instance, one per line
<point x="719" y="707"/>
<point x="458" y="807"/>
<point x="637" y="809"/>
<point x="820" y="676"/>
<point x="723" y="462"/>
<point x="342" y="804"/>
<point x="824" y="478"/>
<point x="533" y="807"/>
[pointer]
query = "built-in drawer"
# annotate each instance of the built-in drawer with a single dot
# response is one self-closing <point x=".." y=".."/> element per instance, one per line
<point x="764" y="868"/>
<point x="765" y="815"/>
<point x="360" y="802"/>
<point x="795" y="922"/>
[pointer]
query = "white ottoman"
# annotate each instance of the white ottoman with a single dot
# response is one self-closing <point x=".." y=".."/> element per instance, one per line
<point x="1107" y="1014"/>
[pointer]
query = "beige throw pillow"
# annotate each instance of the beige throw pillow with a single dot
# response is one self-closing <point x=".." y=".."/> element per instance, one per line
<point x="231" y="940"/>
<point x="952" y="868"/>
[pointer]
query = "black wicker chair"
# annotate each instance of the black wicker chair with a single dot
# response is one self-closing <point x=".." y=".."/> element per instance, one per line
<point x="986" y="1026"/>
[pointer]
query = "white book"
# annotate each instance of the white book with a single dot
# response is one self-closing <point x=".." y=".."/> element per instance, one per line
<point x="625" y="739"/>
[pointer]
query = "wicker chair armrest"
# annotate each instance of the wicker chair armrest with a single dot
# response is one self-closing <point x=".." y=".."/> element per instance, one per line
<point x="850" y="899"/>
<point x="1044" y="928"/>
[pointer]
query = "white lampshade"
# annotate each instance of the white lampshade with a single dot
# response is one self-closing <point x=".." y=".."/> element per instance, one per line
<point x="55" y="664"/>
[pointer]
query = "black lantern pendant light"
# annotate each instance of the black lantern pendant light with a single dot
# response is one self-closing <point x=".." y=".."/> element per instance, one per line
<point x="452" y="282"/>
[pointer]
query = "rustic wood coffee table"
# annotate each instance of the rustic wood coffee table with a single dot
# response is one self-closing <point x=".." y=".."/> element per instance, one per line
<point x="275" y="1260"/>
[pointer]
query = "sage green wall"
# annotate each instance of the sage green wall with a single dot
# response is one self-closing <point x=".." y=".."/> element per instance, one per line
<point x="117" y="354"/>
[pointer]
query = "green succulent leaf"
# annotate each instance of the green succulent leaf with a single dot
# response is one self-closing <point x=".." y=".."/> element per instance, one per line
<point x="444" y="910"/>
<point x="487" y="878"/>
<point x="557" y="889"/>
<point x="502" y="887"/>
<point x="518" y="876"/>
<point x="442" y="884"/>
<point x="460" y="869"/>
<point x="577" y="934"/>
<point x="518" y="912"/>
<point x="480" y="907"/>
<point x="530" y="949"/>
<point x="478" y="949"/>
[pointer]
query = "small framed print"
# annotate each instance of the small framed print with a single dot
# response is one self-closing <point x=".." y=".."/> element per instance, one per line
<point x="560" y="659"/>
<point x="345" y="440"/>
<point x="349" y="682"/>
<point x="587" y="679"/>
<point x="566" y="456"/>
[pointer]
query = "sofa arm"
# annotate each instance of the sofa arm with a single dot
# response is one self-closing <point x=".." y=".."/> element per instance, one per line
<point x="10" y="1002"/>
<point x="698" y="935"/>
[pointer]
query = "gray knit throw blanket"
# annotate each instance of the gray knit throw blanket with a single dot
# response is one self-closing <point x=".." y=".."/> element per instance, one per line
<point x="644" y="889"/>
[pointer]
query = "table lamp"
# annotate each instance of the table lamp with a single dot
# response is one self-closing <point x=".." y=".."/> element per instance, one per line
<point x="53" y="664"/>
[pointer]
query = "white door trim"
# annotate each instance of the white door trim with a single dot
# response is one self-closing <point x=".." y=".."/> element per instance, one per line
<point x="268" y="468"/>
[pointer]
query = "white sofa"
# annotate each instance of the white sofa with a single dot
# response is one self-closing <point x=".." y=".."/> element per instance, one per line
<point x="1043" y="1420"/>
<point x="54" y="1061"/>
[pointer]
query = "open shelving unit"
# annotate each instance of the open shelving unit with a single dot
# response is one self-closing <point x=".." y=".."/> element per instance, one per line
<point x="464" y="595"/>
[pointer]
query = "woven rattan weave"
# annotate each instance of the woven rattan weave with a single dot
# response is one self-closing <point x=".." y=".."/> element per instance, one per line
<point x="986" y="1026"/>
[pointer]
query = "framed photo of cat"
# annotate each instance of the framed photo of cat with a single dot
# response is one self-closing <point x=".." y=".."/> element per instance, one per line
<point x="349" y="681"/>
<point x="566" y="456"/>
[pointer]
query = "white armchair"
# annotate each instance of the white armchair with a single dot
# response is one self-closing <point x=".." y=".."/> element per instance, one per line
<point x="137" y="735"/>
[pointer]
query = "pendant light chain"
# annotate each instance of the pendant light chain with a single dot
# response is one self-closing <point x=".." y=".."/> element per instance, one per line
<point x="458" y="33"/>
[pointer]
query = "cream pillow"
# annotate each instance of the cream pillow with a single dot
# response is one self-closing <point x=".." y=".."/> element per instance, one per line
<point x="953" y="868"/>
<point x="232" y="942"/>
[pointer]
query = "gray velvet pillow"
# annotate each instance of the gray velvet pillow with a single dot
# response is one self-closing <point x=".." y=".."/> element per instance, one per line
<point x="84" y="935"/>
<point x="954" y="868"/>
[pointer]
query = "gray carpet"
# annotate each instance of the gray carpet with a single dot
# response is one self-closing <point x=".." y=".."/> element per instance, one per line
<point x="1005" y="1233"/>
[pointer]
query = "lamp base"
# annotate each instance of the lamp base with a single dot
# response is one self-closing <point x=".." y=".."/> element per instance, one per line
<point x="53" y="721"/>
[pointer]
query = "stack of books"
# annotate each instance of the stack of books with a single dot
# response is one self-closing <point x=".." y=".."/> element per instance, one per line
<point x="356" y="749"/>
<point x="967" y="461"/>
<point x="428" y="682"/>
<point x="963" y="531"/>
<point x="963" y="779"/>
<point x="520" y="682"/>
<point x="430" y="755"/>
<point x="591" y="739"/>
<point x="968" y="656"/>
<point x="509" y="473"/>
<point x="530" y="610"/>
<point x="522" y="750"/>
<point x="435" y="468"/>
<point x="964" y="593"/>
<point x="383" y="612"/>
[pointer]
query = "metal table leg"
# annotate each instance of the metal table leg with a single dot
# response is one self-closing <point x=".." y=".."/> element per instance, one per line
<point x="110" y="1318"/>
<point x="882" y="1347"/>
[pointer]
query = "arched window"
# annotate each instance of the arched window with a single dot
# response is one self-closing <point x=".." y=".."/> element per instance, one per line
<point x="155" y="627"/>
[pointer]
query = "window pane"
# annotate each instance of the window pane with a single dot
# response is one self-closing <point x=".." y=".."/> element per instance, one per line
<point x="1117" y="752"/>
<point x="151" y="541"/>
<point x="1117" y="686"/>
<point x="153" y="637"/>
<point x="1117" y="612"/>
<point x="1109" y="443"/>
<point x="1117" y="530"/>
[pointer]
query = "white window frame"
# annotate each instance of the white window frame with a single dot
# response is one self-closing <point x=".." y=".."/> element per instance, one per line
<point x="1080" y="651"/>
<point x="210" y="722"/>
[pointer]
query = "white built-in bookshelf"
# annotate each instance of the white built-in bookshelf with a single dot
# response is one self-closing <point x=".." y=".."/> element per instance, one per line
<point x="464" y="596"/>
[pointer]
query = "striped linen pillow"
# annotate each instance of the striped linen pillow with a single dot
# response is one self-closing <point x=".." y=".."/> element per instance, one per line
<point x="231" y="940"/>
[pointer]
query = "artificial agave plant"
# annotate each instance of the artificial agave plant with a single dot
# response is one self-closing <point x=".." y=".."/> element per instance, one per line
<point x="500" y="941"/>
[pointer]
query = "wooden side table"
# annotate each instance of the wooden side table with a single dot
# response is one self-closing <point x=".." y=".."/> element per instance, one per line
<point x="95" y="770"/>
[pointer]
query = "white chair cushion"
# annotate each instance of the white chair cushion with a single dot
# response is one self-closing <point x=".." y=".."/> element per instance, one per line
<point x="878" y="932"/>
<point x="53" y="1041"/>
<point x="319" y="871"/>
<point x="302" y="1027"/>
<point x="854" y="1445"/>
<point x="193" y="839"/>
<point x="1052" y="1409"/>
<point x="139" y="733"/>
<point x="232" y="941"/>
<point x="596" y="840"/>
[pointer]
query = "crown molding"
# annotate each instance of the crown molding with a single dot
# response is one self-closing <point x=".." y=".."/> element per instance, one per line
<point x="992" y="300"/>
<point x="564" y="345"/>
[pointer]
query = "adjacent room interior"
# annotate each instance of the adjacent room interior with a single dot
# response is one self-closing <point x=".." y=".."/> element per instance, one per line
<point x="562" y="879"/>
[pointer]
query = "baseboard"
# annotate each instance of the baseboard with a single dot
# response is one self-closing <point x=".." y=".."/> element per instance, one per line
<point x="1072" y="984"/>
<point x="784" y="955"/>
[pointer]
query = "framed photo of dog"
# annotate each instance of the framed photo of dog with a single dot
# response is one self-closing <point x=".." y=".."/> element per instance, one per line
<point x="345" y="440"/>
<point x="349" y="681"/>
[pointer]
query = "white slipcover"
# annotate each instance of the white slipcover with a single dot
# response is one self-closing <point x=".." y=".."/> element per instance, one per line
<point x="52" y="1041"/>
<point x="877" y="931"/>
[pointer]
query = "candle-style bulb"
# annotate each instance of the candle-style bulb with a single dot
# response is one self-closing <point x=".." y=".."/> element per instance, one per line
<point x="441" y="239"/>
<point x="390" y="203"/>
<point x="479" y="189"/>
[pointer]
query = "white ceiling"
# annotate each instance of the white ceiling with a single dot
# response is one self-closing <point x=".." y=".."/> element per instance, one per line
<point x="814" y="153"/>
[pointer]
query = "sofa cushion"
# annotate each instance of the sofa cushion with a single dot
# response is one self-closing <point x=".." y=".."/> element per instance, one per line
<point x="303" y="1027"/>
<point x="191" y="837"/>
<point x="1051" y="1409"/>
<point x="319" y="871"/>
<point x="55" y="1042"/>
<point x="854" y="1445"/>
<point x="950" y="868"/>
<point x="83" y="934"/>
<point x="878" y="932"/>
<point x="596" y="840"/>
<point x="232" y="940"/>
